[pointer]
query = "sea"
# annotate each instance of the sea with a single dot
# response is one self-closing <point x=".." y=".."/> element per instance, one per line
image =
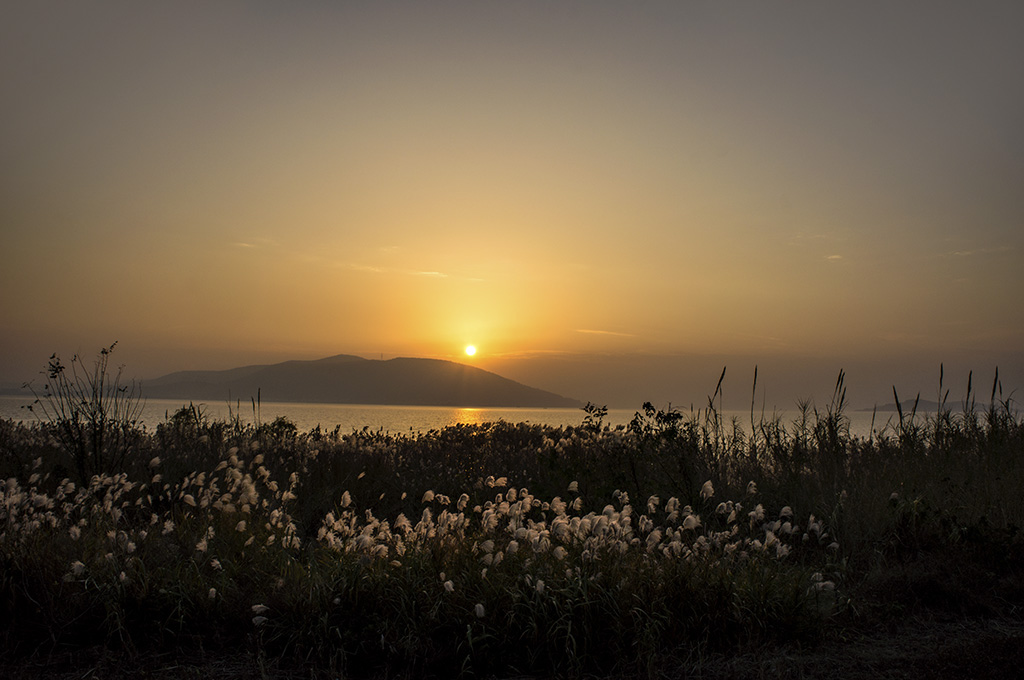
<point x="408" y="419"/>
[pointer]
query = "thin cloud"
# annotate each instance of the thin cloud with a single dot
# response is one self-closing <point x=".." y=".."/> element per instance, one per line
<point x="257" y="242"/>
<point x="778" y="342"/>
<point x="371" y="269"/>
<point x="979" y="251"/>
<point x="364" y="268"/>
<point x="833" y="258"/>
<point x="805" y="239"/>
<point x="591" y="331"/>
<point x="529" y="354"/>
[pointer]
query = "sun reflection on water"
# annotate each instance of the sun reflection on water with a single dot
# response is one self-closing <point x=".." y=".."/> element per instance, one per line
<point x="467" y="416"/>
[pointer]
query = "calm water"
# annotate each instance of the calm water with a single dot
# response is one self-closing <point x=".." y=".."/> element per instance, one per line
<point x="400" y="419"/>
<point x="395" y="419"/>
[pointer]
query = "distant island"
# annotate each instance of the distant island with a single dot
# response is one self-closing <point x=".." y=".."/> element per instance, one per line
<point x="347" y="379"/>
<point x="923" y="406"/>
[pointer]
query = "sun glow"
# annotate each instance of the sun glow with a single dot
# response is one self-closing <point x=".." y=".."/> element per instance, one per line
<point x="470" y="350"/>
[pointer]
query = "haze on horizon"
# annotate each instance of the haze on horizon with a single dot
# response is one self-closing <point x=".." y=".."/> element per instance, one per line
<point x="610" y="202"/>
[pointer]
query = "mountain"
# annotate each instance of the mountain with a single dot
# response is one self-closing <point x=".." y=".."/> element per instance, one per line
<point x="924" y="406"/>
<point x="346" y="379"/>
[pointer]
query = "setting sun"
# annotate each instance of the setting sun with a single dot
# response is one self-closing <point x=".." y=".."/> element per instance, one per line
<point x="470" y="350"/>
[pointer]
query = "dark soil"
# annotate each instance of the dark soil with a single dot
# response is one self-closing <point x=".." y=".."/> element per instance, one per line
<point x="978" y="649"/>
<point x="923" y="648"/>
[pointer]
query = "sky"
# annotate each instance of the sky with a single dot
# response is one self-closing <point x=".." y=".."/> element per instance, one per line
<point x="610" y="201"/>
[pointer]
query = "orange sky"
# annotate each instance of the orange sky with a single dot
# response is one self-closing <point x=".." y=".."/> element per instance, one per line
<point x="586" y="185"/>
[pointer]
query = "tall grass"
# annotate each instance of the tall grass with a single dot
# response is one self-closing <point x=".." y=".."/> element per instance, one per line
<point x="508" y="547"/>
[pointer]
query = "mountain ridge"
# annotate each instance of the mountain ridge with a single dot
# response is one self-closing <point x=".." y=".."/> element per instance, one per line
<point x="348" y="379"/>
<point x="925" y="406"/>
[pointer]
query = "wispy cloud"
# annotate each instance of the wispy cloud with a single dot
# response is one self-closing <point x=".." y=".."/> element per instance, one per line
<point x="372" y="269"/>
<point x="591" y="331"/>
<point x="364" y="268"/>
<point x="833" y="258"/>
<point x="257" y="242"/>
<point x="530" y="354"/>
<point x="813" y="240"/>
<point x="980" y="251"/>
<point x="767" y="339"/>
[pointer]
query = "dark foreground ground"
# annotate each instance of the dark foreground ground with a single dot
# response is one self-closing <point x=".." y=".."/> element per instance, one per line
<point x="923" y="580"/>
<point x="919" y="648"/>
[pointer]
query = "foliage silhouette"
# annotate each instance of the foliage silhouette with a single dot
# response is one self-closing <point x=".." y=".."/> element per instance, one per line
<point x="94" y="415"/>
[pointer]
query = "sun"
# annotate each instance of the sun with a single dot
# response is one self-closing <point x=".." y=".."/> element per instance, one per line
<point x="470" y="350"/>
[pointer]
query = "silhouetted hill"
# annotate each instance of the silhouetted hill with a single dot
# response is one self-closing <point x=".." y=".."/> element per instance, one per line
<point x="345" y="379"/>
<point x="925" y="406"/>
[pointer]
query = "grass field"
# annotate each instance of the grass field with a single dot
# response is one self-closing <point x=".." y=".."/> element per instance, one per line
<point x="503" y="549"/>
